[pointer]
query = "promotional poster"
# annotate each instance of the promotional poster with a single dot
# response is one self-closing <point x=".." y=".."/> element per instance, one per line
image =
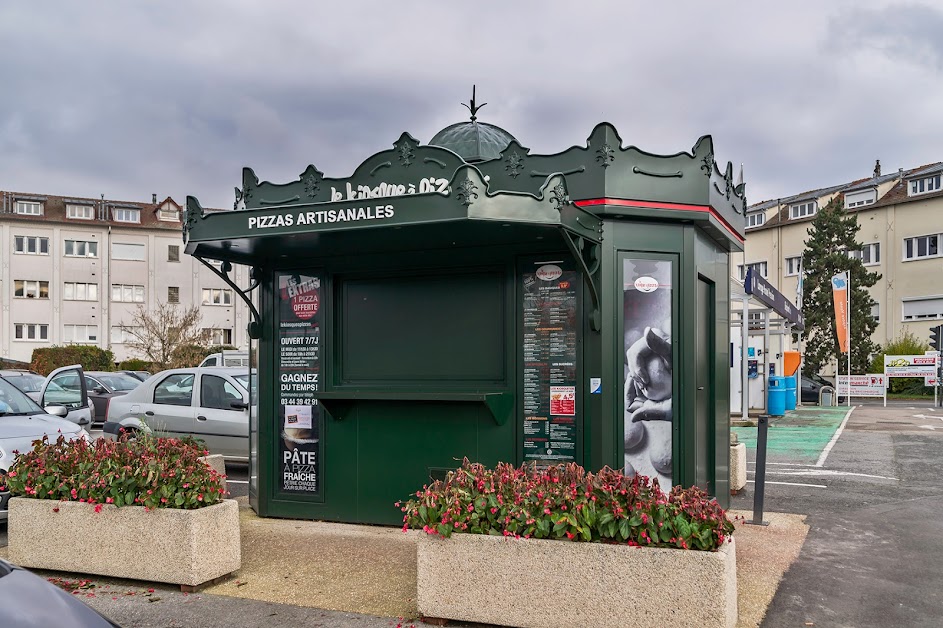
<point x="551" y="299"/>
<point x="648" y="370"/>
<point x="299" y="368"/>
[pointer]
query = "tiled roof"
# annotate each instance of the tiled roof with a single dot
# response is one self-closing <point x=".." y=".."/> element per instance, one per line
<point x="870" y="183"/>
<point x="924" y="171"/>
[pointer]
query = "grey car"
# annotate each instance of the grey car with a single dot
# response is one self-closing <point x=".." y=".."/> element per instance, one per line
<point x="210" y="403"/>
<point x="65" y="386"/>
<point x="103" y="386"/>
<point x="21" y="423"/>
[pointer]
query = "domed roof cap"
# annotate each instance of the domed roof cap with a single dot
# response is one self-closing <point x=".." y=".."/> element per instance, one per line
<point x="473" y="141"/>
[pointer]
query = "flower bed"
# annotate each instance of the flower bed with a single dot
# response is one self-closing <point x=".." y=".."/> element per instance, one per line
<point x="97" y="508"/>
<point x="498" y="550"/>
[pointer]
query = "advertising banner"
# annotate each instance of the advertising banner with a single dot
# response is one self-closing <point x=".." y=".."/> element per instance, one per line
<point x="648" y="381"/>
<point x="299" y="371"/>
<point x="871" y="385"/>
<point x="910" y="365"/>
<point x="840" y="300"/>
<point x="551" y="302"/>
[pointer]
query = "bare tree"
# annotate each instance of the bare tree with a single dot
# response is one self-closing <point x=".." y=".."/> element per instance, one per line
<point x="167" y="336"/>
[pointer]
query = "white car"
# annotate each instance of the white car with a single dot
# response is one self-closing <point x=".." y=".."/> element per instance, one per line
<point x="21" y="423"/>
<point x="66" y="386"/>
<point x="209" y="403"/>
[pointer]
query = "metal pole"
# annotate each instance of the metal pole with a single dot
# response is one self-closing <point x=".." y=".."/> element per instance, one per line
<point x="759" y="480"/>
<point x="848" y="297"/>
<point x="744" y="361"/>
<point x="766" y="359"/>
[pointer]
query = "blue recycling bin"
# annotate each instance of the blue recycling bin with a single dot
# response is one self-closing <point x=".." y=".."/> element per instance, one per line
<point x="790" y="392"/>
<point x="776" y="396"/>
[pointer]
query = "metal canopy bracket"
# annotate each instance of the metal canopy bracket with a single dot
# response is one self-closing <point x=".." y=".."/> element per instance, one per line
<point x="254" y="328"/>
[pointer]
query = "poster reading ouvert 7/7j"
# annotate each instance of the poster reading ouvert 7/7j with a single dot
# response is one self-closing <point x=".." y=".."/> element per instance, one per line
<point x="551" y="299"/>
<point x="299" y="372"/>
<point x="646" y="302"/>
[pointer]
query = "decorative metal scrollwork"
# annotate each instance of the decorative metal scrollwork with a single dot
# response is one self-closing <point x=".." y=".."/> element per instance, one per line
<point x="254" y="329"/>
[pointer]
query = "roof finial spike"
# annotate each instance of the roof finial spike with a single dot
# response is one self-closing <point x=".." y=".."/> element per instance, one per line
<point x="472" y="107"/>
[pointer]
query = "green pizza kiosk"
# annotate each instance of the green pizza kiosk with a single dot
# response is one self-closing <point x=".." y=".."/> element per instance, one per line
<point x="469" y="298"/>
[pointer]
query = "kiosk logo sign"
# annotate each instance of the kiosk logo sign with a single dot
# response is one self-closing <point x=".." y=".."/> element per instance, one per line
<point x="646" y="284"/>
<point x="549" y="272"/>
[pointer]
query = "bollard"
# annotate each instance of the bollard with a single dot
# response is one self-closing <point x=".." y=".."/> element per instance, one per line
<point x="759" y="477"/>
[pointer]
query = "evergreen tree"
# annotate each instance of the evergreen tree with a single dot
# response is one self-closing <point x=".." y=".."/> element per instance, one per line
<point x="833" y="233"/>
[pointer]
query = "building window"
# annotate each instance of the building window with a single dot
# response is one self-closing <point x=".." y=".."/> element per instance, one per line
<point x="876" y="312"/>
<point x="869" y="254"/>
<point x="217" y="296"/>
<point x="169" y="215"/>
<point x="923" y="309"/>
<point x="80" y="333"/>
<point x="134" y="252"/>
<point x="801" y="210"/>
<point x="756" y="219"/>
<point x="29" y="208"/>
<point x="921" y="247"/>
<point x="124" y="335"/>
<point x="31" y="245"/>
<point x="79" y="291"/>
<point x="173" y="252"/>
<point x="31" y="289"/>
<point x="81" y="248"/>
<point x="758" y="267"/>
<point x="219" y="336"/>
<point x="919" y="186"/>
<point x="30" y="331"/>
<point x="793" y="265"/>
<point x="857" y="199"/>
<point x="126" y="215"/>
<point x="124" y="293"/>
<point x="80" y="212"/>
<point x="173" y="294"/>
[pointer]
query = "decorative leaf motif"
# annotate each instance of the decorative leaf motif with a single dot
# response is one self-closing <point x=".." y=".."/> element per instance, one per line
<point x="559" y="196"/>
<point x="405" y="154"/>
<point x="605" y="155"/>
<point x="707" y="164"/>
<point x="467" y="192"/>
<point x="514" y="164"/>
<point x="312" y="183"/>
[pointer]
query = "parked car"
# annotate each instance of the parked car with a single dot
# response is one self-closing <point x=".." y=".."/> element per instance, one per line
<point x="210" y="403"/>
<point x="227" y="358"/>
<point x="138" y="375"/>
<point x="102" y="386"/>
<point x="21" y="423"/>
<point x="65" y="386"/>
<point x="29" y="601"/>
<point x="811" y="386"/>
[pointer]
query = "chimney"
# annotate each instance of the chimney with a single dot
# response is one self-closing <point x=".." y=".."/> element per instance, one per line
<point x="154" y="197"/>
<point x="877" y="168"/>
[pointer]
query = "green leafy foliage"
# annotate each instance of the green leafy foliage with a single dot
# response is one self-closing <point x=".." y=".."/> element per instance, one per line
<point x="566" y="502"/>
<point x="833" y="233"/>
<point x="135" y="364"/>
<point x="144" y="471"/>
<point x="48" y="359"/>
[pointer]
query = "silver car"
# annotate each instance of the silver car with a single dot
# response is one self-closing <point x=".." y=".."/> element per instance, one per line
<point x="21" y="423"/>
<point x="65" y="386"/>
<point x="209" y="403"/>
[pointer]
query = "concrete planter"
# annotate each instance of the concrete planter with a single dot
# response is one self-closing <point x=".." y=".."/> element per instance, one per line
<point x="218" y="464"/>
<point x="186" y="547"/>
<point x="538" y="583"/>
<point x="738" y="467"/>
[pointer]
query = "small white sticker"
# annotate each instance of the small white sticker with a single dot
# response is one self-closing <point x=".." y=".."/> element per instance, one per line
<point x="595" y="385"/>
<point x="646" y="284"/>
<point x="549" y="272"/>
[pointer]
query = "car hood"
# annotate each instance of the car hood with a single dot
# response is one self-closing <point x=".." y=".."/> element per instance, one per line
<point x="17" y="433"/>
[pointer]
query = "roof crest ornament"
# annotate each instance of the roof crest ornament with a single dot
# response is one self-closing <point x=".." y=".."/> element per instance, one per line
<point x="472" y="107"/>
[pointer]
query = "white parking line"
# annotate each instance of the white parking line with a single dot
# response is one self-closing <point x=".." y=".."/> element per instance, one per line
<point x="821" y="461"/>
<point x="824" y="472"/>
<point x="237" y="481"/>
<point x="783" y="464"/>
<point x="792" y="484"/>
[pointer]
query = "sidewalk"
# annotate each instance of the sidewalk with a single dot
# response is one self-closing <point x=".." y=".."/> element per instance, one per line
<point x="308" y="573"/>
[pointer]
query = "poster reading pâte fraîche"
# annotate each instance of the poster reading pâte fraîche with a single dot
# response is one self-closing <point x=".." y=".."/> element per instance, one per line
<point x="299" y="372"/>
<point x="551" y="299"/>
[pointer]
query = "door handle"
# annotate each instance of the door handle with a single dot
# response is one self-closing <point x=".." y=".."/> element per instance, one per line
<point x="700" y="388"/>
<point x="149" y="413"/>
<point x="200" y="418"/>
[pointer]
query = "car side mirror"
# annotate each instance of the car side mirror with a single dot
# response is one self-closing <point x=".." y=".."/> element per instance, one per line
<point x="238" y="405"/>
<point x="59" y="411"/>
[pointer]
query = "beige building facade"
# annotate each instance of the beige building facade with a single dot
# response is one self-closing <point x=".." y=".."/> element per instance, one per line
<point x="901" y="218"/>
<point x="73" y="270"/>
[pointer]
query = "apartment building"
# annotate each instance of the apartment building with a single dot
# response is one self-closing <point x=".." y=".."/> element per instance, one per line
<point x="901" y="236"/>
<point x="73" y="270"/>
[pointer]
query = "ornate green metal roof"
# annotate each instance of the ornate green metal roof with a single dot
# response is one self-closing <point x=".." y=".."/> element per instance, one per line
<point x="473" y="141"/>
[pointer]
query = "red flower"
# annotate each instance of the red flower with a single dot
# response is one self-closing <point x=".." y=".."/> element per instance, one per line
<point x="98" y="507"/>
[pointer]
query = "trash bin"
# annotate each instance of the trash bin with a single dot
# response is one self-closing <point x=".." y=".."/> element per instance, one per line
<point x="826" y="396"/>
<point x="776" y="396"/>
<point x="790" y="392"/>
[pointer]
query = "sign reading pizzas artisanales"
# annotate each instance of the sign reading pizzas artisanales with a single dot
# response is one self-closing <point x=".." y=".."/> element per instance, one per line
<point x="322" y="216"/>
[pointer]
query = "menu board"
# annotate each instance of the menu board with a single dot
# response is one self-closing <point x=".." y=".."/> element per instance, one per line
<point x="551" y="300"/>
<point x="299" y="371"/>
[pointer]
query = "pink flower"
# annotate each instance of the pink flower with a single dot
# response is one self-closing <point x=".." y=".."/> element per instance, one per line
<point x="98" y="507"/>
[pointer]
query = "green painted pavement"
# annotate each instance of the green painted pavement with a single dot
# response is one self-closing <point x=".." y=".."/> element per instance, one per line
<point x="799" y="436"/>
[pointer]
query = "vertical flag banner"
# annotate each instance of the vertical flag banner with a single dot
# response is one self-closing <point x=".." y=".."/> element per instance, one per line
<point x="840" y="299"/>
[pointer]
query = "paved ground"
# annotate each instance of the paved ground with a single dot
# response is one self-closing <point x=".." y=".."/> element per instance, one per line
<point x="874" y="555"/>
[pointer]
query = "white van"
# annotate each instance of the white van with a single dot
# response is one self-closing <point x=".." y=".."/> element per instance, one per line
<point x="227" y="358"/>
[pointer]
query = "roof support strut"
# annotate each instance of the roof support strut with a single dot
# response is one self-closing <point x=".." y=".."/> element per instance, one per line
<point x="254" y="329"/>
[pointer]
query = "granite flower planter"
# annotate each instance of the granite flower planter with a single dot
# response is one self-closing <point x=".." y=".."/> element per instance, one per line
<point x="543" y="583"/>
<point x="186" y="547"/>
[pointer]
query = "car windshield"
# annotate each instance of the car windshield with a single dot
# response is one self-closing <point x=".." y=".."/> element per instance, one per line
<point x="117" y="381"/>
<point x="244" y="380"/>
<point x="27" y="382"/>
<point x="14" y="402"/>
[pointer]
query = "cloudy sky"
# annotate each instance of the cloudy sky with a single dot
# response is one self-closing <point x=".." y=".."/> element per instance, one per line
<point x="128" y="99"/>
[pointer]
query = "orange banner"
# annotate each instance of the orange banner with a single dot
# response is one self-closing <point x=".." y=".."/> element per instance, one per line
<point x="840" y="299"/>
